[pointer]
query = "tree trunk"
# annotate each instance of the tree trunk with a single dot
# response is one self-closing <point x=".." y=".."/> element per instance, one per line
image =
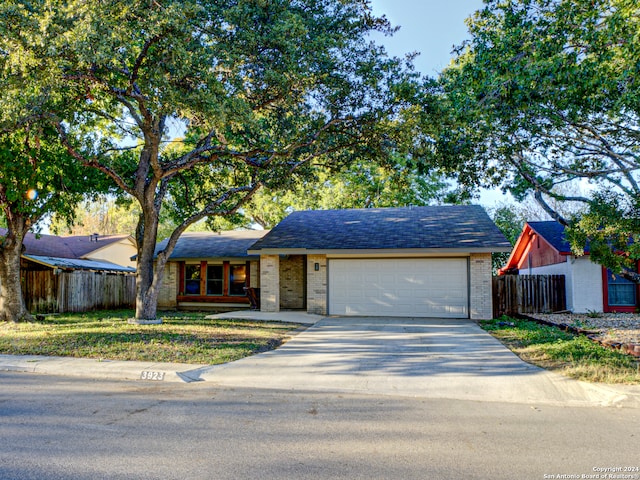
<point x="148" y="278"/>
<point x="12" y="304"/>
<point x="146" y="296"/>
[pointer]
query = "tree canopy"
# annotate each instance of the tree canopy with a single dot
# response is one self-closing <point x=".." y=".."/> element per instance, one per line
<point x="546" y="93"/>
<point x="37" y="177"/>
<point x="264" y="92"/>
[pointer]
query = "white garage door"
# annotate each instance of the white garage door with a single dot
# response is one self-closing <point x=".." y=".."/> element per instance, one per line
<point x="416" y="287"/>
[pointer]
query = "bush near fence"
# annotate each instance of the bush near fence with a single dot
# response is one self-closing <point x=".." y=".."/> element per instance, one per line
<point x="520" y="294"/>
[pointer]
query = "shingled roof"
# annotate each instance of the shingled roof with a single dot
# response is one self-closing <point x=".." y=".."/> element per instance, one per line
<point x="203" y="245"/>
<point x="77" y="246"/>
<point x="79" y="264"/>
<point x="459" y="227"/>
<point x="553" y="233"/>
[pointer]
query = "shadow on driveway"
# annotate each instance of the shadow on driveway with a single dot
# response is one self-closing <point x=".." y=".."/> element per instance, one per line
<point x="434" y="358"/>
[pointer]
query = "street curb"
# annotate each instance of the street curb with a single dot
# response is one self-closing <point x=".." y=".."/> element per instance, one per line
<point x="102" y="369"/>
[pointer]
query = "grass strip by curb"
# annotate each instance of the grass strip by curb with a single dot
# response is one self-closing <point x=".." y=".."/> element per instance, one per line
<point x="181" y="338"/>
<point x="575" y="356"/>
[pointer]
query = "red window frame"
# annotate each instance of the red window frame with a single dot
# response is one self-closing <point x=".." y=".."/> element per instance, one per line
<point x="617" y="308"/>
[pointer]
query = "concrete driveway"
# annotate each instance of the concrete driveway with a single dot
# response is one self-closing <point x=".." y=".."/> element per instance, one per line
<point x="431" y="358"/>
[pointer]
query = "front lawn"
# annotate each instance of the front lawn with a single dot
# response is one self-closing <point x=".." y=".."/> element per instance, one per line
<point x="572" y="355"/>
<point x="183" y="337"/>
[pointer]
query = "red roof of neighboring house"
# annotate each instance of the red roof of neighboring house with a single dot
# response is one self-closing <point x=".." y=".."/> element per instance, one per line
<point x="76" y="246"/>
<point x="551" y="232"/>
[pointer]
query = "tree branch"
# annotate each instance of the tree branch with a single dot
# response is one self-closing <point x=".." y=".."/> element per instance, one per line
<point x="90" y="162"/>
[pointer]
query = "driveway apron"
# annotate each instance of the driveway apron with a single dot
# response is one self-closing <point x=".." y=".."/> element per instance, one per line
<point x="417" y="357"/>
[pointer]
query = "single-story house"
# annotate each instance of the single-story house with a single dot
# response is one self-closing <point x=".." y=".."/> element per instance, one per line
<point x="412" y="262"/>
<point x="542" y="249"/>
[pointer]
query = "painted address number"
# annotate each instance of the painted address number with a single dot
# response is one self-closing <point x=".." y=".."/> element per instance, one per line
<point x="157" y="376"/>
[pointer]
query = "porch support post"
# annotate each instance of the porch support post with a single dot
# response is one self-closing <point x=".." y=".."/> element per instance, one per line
<point x="480" y="296"/>
<point x="269" y="283"/>
<point x="317" y="284"/>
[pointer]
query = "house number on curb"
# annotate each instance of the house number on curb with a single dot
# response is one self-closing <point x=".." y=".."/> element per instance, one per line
<point x="157" y="376"/>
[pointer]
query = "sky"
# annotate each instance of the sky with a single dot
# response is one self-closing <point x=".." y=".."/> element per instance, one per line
<point x="433" y="28"/>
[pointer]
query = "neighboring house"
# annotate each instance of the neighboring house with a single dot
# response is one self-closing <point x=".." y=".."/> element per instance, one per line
<point x="109" y="253"/>
<point x="210" y="270"/>
<point x="77" y="273"/>
<point x="117" y="249"/>
<point x="542" y="249"/>
<point x="407" y="262"/>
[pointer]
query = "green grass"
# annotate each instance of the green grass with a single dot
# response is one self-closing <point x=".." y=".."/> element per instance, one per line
<point x="572" y="355"/>
<point x="184" y="337"/>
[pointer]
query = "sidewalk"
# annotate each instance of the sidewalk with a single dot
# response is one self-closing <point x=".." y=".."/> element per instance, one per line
<point x="131" y="370"/>
<point x="435" y="358"/>
<point x="101" y="369"/>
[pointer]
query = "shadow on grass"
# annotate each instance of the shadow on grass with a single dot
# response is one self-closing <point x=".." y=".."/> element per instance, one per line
<point x="107" y="335"/>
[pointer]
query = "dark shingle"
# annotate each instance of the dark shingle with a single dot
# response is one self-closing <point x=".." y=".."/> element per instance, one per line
<point x="232" y="244"/>
<point x="76" y="246"/>
<point x="553" y="233"/>
<point x="455" y="226"/>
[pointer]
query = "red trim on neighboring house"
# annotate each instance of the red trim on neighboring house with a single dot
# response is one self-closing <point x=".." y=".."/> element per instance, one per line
<point x="605" y="297"/>
<point x="531" y="250"/>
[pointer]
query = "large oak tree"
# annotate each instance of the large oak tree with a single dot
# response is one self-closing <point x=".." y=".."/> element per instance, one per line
<point x="261" y="90"/>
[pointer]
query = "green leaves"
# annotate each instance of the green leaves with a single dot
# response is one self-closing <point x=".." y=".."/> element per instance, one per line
<point x="262" y="90"/>
<point x="610" y="230"/>
<point x="545" y="95"/>
<point x="545" y="85"/>
<point x="38" y="177"/>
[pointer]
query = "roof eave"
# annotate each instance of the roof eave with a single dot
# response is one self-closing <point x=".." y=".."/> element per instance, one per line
<point x="377" y="251"/>
<point x="103" y="268"/>
<point x="243" y="258"/>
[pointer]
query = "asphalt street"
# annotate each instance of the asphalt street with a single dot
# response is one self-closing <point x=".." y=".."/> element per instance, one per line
<point x="356" y="398"/>
<point x="72" y="428"/>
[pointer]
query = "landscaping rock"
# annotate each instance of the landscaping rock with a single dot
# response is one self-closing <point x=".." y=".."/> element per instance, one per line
<point x="620" y="331"/>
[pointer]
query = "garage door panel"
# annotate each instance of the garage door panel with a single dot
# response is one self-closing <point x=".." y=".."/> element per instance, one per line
<point x="399" y="287"/>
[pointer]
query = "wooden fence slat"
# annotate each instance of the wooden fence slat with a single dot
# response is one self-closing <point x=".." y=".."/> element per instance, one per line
<point x="78" y="291"/>
<point x="515" y="294"/>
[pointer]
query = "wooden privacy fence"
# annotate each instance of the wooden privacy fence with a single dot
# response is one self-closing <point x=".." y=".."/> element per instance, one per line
<point x="514" y="294"/>
<point x="77" y="291"/>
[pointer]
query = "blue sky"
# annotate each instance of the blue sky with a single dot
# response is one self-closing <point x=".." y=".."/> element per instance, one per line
<point x="431" y="27"/>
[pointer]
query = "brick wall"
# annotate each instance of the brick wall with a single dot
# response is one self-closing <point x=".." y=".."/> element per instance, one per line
<point x="317" y="284"/>
<point x="292" y="282"/>
<point x="481" y="300"/>
<point x="254" y="274"/>
<point x="169" y="288"/>
<point x="269" y="283"/>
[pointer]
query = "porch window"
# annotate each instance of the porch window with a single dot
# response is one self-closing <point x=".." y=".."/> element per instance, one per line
<point x="192" y="279"/>
<point x="215" y="279"/>
<point x="622" y="292"/>
<point x="237" y="279"/>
